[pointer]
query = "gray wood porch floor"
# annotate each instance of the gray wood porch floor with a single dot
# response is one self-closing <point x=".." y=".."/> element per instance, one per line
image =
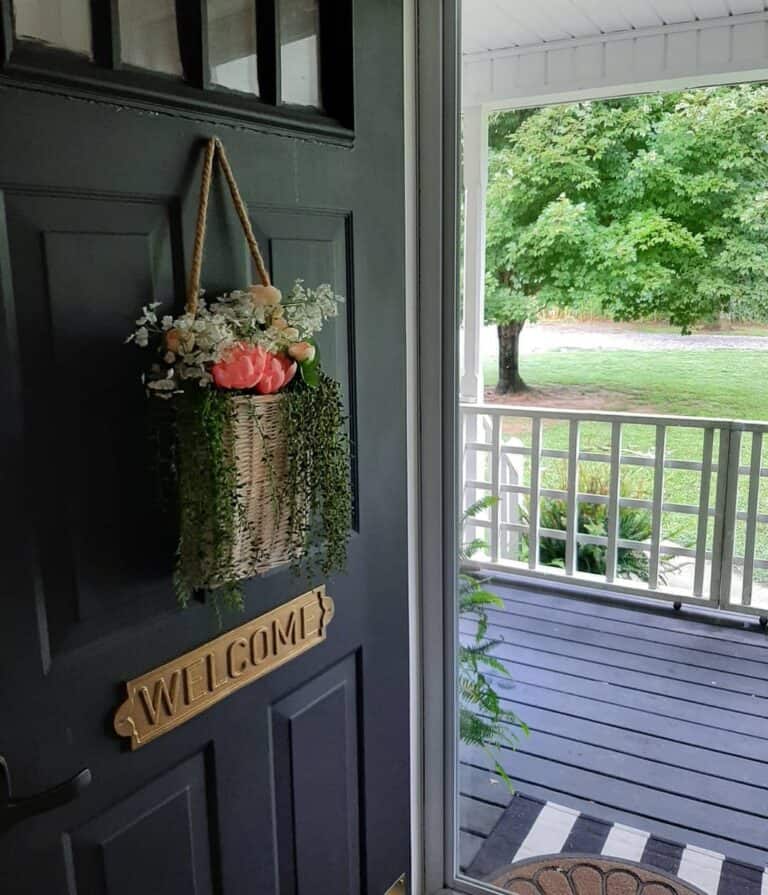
<point x="652" y="719"/>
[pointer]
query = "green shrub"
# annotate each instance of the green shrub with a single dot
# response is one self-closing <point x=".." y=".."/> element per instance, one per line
<point x="635" y="524"/>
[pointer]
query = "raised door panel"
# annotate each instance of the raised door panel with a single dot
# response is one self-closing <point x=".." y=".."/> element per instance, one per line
<point x="157" y="840"/>
<point x="314" y="246"/>
<point x="316" y="767"/>
<point x="82" y="269"/>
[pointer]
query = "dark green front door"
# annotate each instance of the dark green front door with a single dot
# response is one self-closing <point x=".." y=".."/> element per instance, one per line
<point x="298" y="783"/>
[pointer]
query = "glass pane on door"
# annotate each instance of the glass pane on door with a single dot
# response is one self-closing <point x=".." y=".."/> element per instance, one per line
<point x="232" y="45"/>
<point x="592" y="528"/>
<point x="300" y="52"/>
<point x="148" y="35"/>
<point x="60" y="23"/>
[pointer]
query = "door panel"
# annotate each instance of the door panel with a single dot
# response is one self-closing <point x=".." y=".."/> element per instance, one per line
<point x="299" y="782"/>
<point x="82" y="269"/>
<point x="156" y="837"/>
<point x="315" y="246"/>
<point x="315" y="748"/>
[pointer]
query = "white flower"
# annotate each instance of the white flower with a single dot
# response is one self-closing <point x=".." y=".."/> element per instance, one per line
<point x="148" y="314"/>
<point x="189" y="345"/>
<point x="260" y="314"/>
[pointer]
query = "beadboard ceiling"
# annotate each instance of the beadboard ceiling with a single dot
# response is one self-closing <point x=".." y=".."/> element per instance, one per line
<point x="500" y="24"/>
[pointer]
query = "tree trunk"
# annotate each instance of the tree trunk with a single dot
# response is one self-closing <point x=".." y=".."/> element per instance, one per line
<point x="510" y="380"/>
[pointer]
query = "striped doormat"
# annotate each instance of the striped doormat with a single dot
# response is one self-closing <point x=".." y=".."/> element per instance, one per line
<point x="530" y="828"/>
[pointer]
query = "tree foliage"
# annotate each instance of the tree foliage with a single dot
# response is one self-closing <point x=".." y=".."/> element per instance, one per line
<point x="647" y="206"/>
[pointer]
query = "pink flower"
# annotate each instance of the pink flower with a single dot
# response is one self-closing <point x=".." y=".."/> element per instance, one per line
<point x="241" y="367"/>
<point x="289" y="368"/>
<point x="247" y="366"/>
<point x="278" y="372"/>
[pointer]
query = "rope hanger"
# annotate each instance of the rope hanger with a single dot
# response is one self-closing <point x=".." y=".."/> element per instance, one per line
<point x="215" y="151"/>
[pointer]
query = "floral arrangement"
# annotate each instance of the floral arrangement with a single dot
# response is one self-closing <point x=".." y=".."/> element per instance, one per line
<point x="228" y="354"/>
<point x="247" y="339"/>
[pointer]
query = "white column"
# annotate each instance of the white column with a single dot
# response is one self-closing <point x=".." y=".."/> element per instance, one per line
<point x="475" y="131"/>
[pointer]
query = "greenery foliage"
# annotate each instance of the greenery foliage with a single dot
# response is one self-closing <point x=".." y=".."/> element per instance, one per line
<point x="210" y="506"/>
<point x="483" y="720"/>
<point x="635" y="524"/>
<point x="316" y="493"/>
<point x="319" y="497"/>
<point x="646" y="206"/>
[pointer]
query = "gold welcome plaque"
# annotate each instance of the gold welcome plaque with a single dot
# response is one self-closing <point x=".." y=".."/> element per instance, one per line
<point x="162" y="699"/>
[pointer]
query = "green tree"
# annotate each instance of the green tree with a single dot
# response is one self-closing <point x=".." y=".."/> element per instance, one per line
<point x="647" y="206"/>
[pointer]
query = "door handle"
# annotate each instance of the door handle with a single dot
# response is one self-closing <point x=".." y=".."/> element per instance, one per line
<point x="13" y="810"/>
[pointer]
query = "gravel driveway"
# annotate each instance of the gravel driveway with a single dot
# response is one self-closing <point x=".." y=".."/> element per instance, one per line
<point x="540" y="337"/>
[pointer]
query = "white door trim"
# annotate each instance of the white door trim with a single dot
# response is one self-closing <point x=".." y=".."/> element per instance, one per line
<point x="437" y="166"/>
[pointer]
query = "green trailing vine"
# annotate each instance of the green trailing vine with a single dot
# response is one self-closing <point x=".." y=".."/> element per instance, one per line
<point x="318" y="494"/>
<point x="210" y="505"/>
<point x="315" y="493"/>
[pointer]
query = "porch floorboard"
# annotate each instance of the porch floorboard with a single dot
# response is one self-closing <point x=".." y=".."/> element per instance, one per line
<point x="648" y="718"/>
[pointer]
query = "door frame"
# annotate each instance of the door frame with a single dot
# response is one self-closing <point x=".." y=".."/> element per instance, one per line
<point x="432" y="71"/>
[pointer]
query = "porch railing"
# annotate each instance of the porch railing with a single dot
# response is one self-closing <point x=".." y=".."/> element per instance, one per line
<point x="536" y="462"/>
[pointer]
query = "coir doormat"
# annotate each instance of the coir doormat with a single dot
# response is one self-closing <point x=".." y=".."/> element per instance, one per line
<point x="588" y="875"/>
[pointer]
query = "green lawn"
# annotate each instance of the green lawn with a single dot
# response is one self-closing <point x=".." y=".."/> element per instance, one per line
<point x="723" y="384"/>
<point x="730" y="384"/>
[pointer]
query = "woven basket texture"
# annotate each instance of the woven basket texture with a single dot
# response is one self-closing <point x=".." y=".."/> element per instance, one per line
<point x="262" y="538"/>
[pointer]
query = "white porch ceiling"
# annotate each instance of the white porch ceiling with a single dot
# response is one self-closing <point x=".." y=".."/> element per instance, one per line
<point x="490" y="25"/>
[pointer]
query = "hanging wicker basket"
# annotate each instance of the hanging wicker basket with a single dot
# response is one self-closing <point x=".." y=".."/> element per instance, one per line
<point x="263" y="540"/>
<point x="254" y="439"/>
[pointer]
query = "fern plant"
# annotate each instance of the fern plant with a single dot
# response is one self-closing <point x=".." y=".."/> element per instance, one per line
<point x="483" y="720"/>
<point x="635" y="524"/>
